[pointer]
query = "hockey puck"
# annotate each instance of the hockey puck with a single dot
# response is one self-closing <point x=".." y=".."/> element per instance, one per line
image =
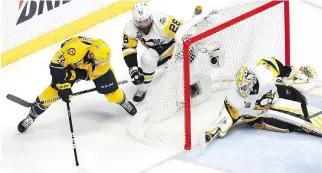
<point x="214" y="60"/>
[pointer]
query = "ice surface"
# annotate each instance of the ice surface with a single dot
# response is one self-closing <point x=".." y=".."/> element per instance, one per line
<point x="248" y="150"/>
<point x="102" y="142"/>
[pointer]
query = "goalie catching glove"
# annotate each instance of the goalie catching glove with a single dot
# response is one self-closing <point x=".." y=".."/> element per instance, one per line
<point x="304" y="74"/>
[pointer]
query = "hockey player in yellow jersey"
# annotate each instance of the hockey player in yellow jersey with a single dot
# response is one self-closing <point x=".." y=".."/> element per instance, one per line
<point x="156" y="31"/>
<point x="261" y="99"/>
<point x="79" y="58"/>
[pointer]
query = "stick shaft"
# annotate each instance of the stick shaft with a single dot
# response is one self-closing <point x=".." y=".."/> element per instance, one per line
<point x="72" y="133"/>
<point x="28" y="104"/>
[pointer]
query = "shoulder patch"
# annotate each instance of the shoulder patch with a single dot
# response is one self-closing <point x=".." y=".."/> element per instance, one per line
<point x="139" y="35"/>
<point x="61" y="59"/>
<point x="163" y="20"/>
<point x="71" y="51"/>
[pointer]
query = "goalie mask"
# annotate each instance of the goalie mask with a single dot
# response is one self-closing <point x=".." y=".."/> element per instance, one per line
<point x="246" y="80"/>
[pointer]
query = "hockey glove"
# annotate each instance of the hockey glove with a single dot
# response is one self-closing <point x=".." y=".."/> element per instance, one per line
<point x="64" y="91"/>
<point x="136" y="75"/>
<point x="75" y="75"/>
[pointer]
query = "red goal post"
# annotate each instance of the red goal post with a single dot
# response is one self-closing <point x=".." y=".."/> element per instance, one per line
<point x="186" y="60"/>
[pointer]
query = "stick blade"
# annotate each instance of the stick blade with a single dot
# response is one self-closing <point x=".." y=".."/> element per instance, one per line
<point x="122" y="82"/>
<point x="19" y="100"/>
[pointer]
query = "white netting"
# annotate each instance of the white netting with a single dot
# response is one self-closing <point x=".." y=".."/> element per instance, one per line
<point x="244" y="43"/>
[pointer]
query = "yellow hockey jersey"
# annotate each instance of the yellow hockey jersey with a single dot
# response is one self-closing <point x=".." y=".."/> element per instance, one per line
<point x="74" y="53"/>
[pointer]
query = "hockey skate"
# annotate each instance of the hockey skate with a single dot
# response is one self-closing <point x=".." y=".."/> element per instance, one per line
<point x="129" y="107"/>
<point x="25" y="123"/>
<point x="139" y="95"/>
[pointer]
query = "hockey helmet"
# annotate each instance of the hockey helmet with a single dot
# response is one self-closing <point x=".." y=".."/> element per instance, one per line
<point x="246" y="80"/>
<point x="73" y="52"/>
<point x="142" y="15"/>
<point x="100" y="51"/>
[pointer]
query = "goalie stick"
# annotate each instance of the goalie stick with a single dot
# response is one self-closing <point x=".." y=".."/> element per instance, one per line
<point x="25" y="103"/>
<point x="316" y="114"/>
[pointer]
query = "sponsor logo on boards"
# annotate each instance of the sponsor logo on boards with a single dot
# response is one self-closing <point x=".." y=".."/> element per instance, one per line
<point x="32" y="8"/>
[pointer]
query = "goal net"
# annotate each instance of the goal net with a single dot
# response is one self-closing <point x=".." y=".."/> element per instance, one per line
<point x="247" y="32"/>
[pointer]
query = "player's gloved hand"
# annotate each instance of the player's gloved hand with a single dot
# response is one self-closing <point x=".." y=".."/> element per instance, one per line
<point x="81" y="74"/>
<point x="76" y="75"/>
<point x="136" y="75"/>
<point x="64" y="91"/>
<point x="65" y="94"/>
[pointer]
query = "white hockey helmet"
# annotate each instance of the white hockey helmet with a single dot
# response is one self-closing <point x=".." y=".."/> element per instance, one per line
<point x="142" y="15"/>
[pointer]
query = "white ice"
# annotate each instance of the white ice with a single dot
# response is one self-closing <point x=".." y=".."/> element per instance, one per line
<point x="102" y="142"/>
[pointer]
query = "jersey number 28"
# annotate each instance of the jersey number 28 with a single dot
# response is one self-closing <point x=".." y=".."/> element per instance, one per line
<point x="174" y="26"/>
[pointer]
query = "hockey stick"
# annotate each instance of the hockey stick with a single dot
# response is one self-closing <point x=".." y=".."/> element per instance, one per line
<point x="316" y="114"/>
<point x="72" y="132"/>
<point x="71" y="122"/>
<point x="28" y="104"/>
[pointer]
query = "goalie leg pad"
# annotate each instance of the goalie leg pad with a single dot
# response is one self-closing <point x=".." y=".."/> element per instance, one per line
<point x="317" y="120"/>
<point x="268" y="124"/>
<point x="291" y="112"/>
